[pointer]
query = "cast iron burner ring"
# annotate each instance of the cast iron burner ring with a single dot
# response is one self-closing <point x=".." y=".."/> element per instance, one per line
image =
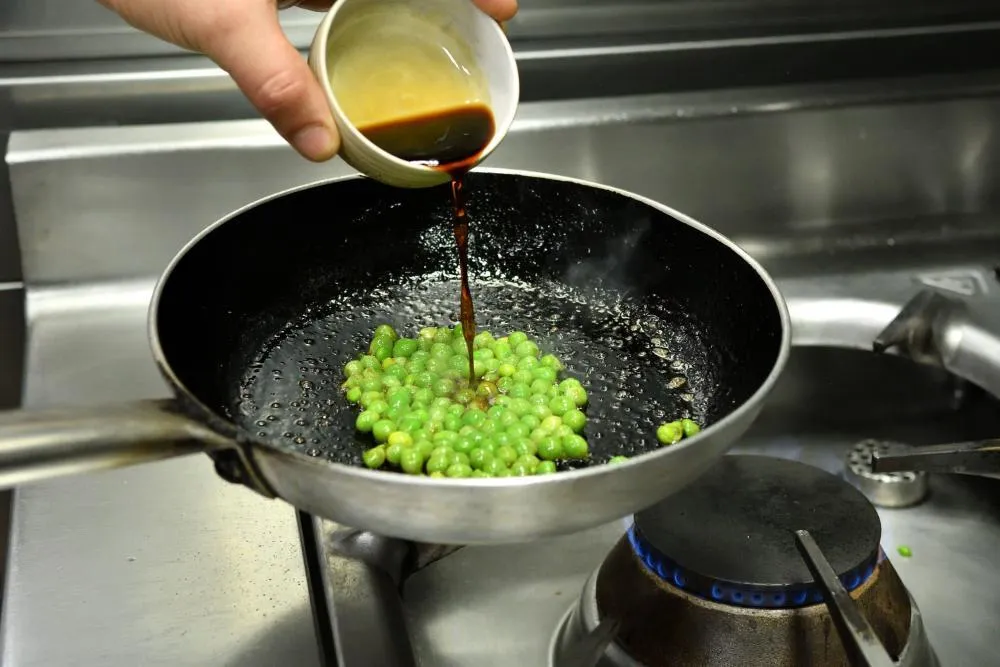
<point x="729" y="536"/>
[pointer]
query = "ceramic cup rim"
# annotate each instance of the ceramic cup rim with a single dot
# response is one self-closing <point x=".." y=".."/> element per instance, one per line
<point x="503" y="114"/>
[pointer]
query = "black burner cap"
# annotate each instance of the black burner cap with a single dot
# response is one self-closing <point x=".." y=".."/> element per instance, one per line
<point x="734" y="526"/>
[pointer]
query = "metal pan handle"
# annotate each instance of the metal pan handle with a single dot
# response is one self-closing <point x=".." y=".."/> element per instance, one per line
<point x="37" y="445"/>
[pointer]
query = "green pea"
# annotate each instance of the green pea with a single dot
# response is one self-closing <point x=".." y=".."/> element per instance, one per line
<point x="669" y="434"/>
<point x="423" y="415"/>
<point x="550" y="449"/>
<point x="437" y="463"/>
<point x="395" y="371"/>
<point x="411" y="461"/>
<point x="380" y="349"/>
<point x="508" y="419"/>
<point x="399" y="397"/>
<point x="503" y="438"/>
<point x="392" y="454"/>
<point x="458" y="457"/>
<point x="545" y="468"/>
<point x="427" y="333"/>
<point x="523" y="376"/>
<point x="545" y="374"/>
<point x="378" y="406"/>
<point x="354" y="394"/>
<point x="576" y="394"/>
<point x="551" y="361"/>
<point x="385" y="331"/>
<point x="502" y="349"/>
<point x="490" y="426"/>
<point x="525" y="446"/>
<point x="504" y="473"/>
<point x="372" y="384"/>
<point x="516" y="338"/>
<point x="527" y="363"/>
<point x="374" y="457"/>
<point x="575" y="419"/>
<point x="519" y="390"/>
<point x="506" y="454"/>
<point x="541" y="410"/>
<point x="520" y="470"/>
<point x="353" y="367"/>
<point x="370" y="362"/>
<point x="438" y="365"/>
<point x="506" y="370"/>
<point x="446" y="438"/>
<point x="465" y="395"/>
<point x="526" y="349"/>
<point x="689" y="427"/>
<point x="479" y="457"/>
<point x="574" y="447"/>
<point x="400" y="438"/>
<point x="518" y="430"/>
<point x="551" y="423"/>
<point x="560" y="405"/>
<point x="409" y="423"/>
<point x="463" y="444"/>
<point x="473" y="417"/>
<point x="618" y="459"/>
<point x="404" y="347"/>
<point x="478" y="474"/>
<point x="425" y="447"/>
<point x="531" y="421"/>
<point x="458" y="470"/>
<point x="366" y="421"/>
<point x="382" y="428"/>
<point x="452" y="422"/>
<point x="529" y="460"/>
<point x="441" y="350"/>
<point x="495" y="467"/>
<point x="519" y="406"/>
<point x="437" y="474"/>
<point x="424" y="379"/>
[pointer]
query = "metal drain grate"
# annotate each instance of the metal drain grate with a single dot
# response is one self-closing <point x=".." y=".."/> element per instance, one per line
<point x="893" y="489"/>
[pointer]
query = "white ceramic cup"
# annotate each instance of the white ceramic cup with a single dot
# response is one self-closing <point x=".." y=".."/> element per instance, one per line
<point x="485" y="40"/>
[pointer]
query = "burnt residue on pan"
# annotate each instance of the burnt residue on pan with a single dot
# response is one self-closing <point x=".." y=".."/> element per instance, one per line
<point x="658" y="320"/>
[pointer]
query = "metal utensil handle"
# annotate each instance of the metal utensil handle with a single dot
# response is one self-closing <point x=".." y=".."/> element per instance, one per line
<point x="590" y="649"/>
<point x="975" y="457"/>
<point x="860" y="642"/>
<point x="36" y="445"/>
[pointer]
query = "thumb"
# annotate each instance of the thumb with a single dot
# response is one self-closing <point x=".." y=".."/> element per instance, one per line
<point x="277" y="81"/>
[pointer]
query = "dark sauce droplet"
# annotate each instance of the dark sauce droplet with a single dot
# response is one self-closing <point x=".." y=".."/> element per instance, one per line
<point x="450" y="141"/>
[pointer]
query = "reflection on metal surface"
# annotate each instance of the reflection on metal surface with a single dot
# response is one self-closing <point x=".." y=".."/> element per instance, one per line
<point x="883" y="489"/>
<point x="482" y="601"/>
<point x="878" y="172"/>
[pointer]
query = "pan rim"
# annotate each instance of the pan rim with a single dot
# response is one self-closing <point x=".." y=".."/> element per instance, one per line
<point x="213" y="418"/>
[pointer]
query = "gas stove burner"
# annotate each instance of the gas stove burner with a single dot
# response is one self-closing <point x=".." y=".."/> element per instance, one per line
<point x="729" y="537"/>
<point x="712" y="576"/>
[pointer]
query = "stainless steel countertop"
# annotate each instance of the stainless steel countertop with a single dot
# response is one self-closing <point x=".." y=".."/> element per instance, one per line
<point x="161" y="564"/>
<point x="166" y="564"/>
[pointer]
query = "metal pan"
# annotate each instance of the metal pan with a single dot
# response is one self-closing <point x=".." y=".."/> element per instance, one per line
<point x="659" y="316"/>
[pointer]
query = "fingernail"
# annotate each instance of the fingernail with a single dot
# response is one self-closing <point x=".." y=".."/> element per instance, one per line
<point x="316" y="142"/>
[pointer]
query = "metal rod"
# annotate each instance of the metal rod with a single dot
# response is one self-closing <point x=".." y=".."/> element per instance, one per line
<point x="980" y="457"/>
<point x="860" y="642"/>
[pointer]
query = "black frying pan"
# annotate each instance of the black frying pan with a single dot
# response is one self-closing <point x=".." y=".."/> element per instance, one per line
<point x="658" y="316"/>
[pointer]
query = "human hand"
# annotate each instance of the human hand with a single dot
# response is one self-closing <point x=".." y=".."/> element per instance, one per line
<point x="245" y="39"/>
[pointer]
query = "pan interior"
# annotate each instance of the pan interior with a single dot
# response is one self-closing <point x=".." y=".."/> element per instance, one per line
<point x="658" y="320"/>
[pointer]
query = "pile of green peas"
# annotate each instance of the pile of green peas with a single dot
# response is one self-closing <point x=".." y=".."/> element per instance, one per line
<point x="518" y="418"/>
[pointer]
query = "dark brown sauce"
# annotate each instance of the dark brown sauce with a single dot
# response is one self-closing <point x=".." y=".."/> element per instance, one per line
<point x="449" y="141"/>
